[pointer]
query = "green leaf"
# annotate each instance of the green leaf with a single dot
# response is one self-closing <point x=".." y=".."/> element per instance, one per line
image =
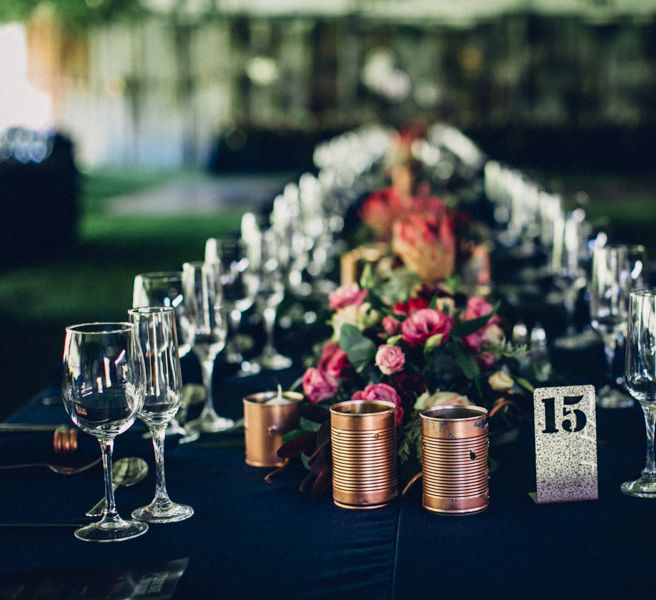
<point x="465" y="328"/>
<point x="290" y="435"/>
<point x="307" y="425"/>
<point x="465" y="362"/>
<point x="359" y="349"/>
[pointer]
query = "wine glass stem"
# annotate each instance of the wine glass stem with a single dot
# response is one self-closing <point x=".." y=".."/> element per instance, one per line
<point x="650" y="423"/>
<point x="269" y="323"/>
<point x="207" y="368"/>
<point x="158" y="434"/>
<point x="110" y="513"/>
<point x="234" y="324"/>
<point x="610" y="348"/>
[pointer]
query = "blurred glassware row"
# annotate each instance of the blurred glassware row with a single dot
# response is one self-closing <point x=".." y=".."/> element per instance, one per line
<point x="25" y="145"/>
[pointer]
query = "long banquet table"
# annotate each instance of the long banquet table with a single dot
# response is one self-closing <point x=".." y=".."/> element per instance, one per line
<point x="250" y="539"/>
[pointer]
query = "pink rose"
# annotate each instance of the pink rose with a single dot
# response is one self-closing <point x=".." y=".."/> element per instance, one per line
<point x="490" y="332"/>
<point x="346" y="295"/>
<point x="319" y="385"/>
<point x="384" y="392"/>
<point x="424" y="324"/>
<point x="390" y="359"/>
<point x="391" y="325"/>
<point x="333" y="360"/>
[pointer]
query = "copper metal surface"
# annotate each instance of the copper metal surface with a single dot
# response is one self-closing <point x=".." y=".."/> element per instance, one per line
<point x="265" y="424"/>
<point x="454" y="460"/>
<point x="363" y="443"/>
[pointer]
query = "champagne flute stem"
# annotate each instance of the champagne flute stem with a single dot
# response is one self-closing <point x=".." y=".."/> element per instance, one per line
<point x="161" y="495"/>
<point x="269" y="323"/>
<point x="234" y="324"/>
<point x="109" y="513"/>
<point x="650" y="423"/>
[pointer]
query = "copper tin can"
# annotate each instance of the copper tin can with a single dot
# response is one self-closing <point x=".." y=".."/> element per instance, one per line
<point x="454" y="459"/>
<point x="265" y="424"/>
<point x="363" y="443"/>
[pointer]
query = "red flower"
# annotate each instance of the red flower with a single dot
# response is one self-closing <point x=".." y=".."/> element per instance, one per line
<point x="382" y="391"/>
<point x="412" y="305"/>
<point x="319" y="385"/>
<point x="424" y="324"/>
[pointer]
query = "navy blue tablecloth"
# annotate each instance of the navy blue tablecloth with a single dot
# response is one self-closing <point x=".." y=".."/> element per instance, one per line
<point x="250" y="539"/>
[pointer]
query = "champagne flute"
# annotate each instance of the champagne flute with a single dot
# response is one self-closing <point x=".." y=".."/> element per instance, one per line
<point x="640" y="377"/>
<point x="103" y="391"/>
<point x="239" y="286"/>
<point x="612" y="269"/>
<point x="202" y="287"/>
<point x="164" y="288"/>
<point x="156" y="332"/>
<point x="271" y="291"/>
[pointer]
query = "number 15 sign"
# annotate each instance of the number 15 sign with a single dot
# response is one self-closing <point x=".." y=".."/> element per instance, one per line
<point x="565" y="443"/>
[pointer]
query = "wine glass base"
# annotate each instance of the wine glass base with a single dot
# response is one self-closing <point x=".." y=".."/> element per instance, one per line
<point x="248" y="368"/>
<point x="111" y="531"/>
<point x="170" y="512"/>
<point x="608" y="397"/>
<point x="212" y="423"/>
<point x="274" y="362"/>
<point x="640" y="488"/>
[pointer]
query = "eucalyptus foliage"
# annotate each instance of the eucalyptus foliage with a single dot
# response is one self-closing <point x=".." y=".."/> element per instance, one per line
<point x="75" y="14"/>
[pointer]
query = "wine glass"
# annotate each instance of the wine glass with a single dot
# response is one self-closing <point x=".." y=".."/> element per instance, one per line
<point x="202" y="285"/>
<point x="613" y="275"/>
<point x="640" y="377"/>
<point x="164" y="288"/>
<point x="271" y="291"/>
<point x="239" y="286"/>
<point x="156" y="332"/>
<point x="103" y="392"/>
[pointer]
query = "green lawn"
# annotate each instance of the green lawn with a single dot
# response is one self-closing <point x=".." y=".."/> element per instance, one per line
<point x="91" y="282"/>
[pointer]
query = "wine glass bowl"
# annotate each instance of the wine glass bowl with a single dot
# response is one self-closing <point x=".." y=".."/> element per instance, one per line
<point x="640" y="379"/>
<point x="155" y="328"/>
<point x="164" y="288"/>
<point x="103" y="392"/>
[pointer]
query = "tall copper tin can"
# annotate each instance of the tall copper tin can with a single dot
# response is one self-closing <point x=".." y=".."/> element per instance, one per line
<point x="454" y="444"/>
<point x="267" y="418"/>
<point x="363" y="442"/>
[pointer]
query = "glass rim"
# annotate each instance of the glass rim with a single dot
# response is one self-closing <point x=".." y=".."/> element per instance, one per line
<point x="643" y="292"/>
<point x="161" y="275"/>
<point x="150" y="310"/>
<point x="101" y="327"/>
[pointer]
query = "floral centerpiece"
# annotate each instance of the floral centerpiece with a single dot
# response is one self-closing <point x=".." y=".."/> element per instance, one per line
<point x="416" y="345"/>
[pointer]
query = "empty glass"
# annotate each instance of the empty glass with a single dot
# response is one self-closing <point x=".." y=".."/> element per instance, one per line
<point x="271" y="291"/>
<point x="164" y="288"/>
<point x="202" y="285"/>
<point x="238" y="286"/>
<point x="615" y="270"/>
<point x="156" y="332"/>
<point x="103" y="391"/>
<point x="640" y="376"/>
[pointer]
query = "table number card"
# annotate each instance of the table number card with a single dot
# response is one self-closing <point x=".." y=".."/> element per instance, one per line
<point x="565" y="444"/>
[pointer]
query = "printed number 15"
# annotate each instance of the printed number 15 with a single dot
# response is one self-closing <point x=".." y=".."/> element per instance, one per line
<point x="580" y="419"/>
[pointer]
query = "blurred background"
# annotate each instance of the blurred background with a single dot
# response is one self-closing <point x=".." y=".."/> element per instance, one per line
<point x="130" y="131"/>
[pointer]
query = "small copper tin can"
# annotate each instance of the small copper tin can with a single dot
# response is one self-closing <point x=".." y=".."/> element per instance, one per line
<point x="266" y="420"/>
<point x="454" y="459"/>
<point x="363" y="442"/>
